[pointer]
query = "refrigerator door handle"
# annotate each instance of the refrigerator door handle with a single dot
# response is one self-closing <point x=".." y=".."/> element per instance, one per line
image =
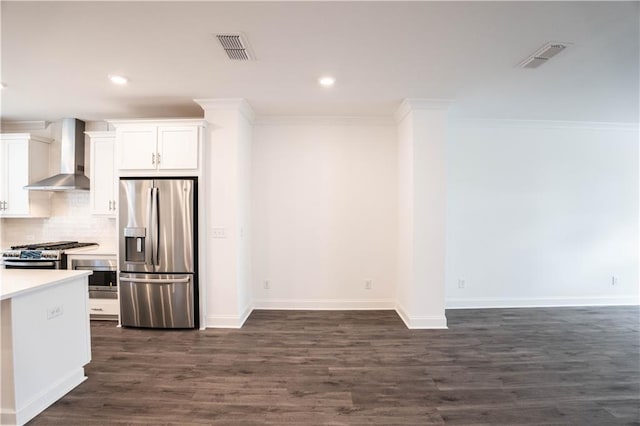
<point x="155" y="280"/>
<point x="149" y="245"/>
<point x="155" y="226"/>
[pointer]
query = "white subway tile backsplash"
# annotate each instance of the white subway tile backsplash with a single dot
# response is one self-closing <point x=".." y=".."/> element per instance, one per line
<point x="70" y="219"/>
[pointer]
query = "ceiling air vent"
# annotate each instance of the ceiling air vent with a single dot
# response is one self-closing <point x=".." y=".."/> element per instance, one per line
<point x="543" y="54"/>
<point x="235" y="46"/>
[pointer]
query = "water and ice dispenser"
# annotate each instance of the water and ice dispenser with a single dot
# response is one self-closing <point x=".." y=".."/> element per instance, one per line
<point x="134" y="241"/>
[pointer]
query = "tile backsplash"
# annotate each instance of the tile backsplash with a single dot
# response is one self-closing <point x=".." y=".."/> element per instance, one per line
<point x="70" y="219"/>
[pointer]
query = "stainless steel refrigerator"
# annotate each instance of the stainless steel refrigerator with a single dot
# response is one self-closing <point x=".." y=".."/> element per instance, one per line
<point x="158" y="256"/>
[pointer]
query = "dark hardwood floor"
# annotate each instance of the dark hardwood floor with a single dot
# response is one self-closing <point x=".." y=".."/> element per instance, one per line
<point x="563" y="366"/>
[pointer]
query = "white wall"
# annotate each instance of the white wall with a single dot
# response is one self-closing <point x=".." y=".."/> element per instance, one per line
<point x="324" y="213"/>
<point x="405" y="212"/>
<point x="245" y="135"/>
<point x="541" y="214"/>
<point x="422" y="130"/>
<point x="429" y="234"/>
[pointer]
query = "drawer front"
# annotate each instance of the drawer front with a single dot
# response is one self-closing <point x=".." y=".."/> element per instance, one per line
<point x="104" y="308"/>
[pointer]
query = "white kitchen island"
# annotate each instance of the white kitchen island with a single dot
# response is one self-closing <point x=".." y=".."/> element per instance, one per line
<point x="45" y="339"/>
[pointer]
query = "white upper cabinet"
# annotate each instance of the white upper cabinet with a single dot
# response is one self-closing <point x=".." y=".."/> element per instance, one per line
<point x="162" y="147"/>
<point x="138" y="147"/>
<point x="104" y="182"/>
<point x="24" y="159"/>
<point x="177" y="147"/>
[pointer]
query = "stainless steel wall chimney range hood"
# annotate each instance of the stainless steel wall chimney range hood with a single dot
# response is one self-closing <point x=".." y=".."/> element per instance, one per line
<point x="71" y="176"/>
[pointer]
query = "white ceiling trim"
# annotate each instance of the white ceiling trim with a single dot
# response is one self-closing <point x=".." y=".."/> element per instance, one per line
<point x="329" y="120"/>
<point x="412" y="104"/>
<point x="227" y="104"/>
<point x="18" y="126"/>
<point x="164" y="121"/>
<point x="542" y="124"/>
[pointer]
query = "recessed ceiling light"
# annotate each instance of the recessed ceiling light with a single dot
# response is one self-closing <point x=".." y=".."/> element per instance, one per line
<point x="326" y="81"/>
<point x="118" y="79"/>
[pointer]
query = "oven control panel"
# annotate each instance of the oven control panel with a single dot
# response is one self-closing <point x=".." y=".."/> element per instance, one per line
<point x="32" y="254"/>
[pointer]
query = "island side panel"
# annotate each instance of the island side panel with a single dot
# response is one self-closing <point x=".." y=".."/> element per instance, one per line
<point x="51" y="344"/>
<point x="7" y="400"/>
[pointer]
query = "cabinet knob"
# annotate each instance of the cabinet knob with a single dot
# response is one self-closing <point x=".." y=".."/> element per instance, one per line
<point x="97" y="309"/>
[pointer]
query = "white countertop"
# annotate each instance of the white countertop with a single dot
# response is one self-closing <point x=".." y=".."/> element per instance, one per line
<point x="15" y="282"/>
<point x="97" y="250"/>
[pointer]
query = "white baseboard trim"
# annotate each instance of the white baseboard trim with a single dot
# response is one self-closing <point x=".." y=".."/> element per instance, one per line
<point x="487" y="303"/>
<point x="44" y="399"/>
<point x="229" y="321"/>
<point x="421" y="322"/>
<point x="324" y="304"/>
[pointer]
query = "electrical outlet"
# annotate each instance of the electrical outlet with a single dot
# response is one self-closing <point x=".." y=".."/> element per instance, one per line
<point x="267" y="285"/>
<point x="368" y="285"/>
<point x="54" y="311"/>
<point x="614" y="280"/>
<point x="219" y="232"/>
<point x="460" y="283"/>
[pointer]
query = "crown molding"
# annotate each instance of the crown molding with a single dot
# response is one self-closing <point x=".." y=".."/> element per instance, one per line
<point x="153" y="121"/>
<point x="540" y="124"/>
<point x="414" y="104"/>
<point x="323" y="120"/>
<point x="226" y="104"/>
<point x="20" y="126"/>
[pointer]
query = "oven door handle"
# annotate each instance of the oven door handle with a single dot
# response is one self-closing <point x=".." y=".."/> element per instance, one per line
<point x="27" y="264"/>
<point x="156" y="280"/>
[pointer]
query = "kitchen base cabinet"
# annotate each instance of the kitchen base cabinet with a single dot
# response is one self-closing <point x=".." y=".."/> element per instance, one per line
<point x="24" y="159"/>
<point x="100" y="308"/>
<point x="45" y="339"/>
<point x="104" y="309"/>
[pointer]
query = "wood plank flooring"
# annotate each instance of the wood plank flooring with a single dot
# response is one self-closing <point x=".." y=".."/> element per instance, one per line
<point x="562" y="366"/>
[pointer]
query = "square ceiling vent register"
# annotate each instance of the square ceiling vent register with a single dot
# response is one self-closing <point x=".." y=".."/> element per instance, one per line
<point x="543" y="54"/>
<point x="235" y="46"/>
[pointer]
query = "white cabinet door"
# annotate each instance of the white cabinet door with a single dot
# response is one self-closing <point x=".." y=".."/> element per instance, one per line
<point x="177" y="147"/>
<point x="23" y="160"/>
<point x="4" y="173"/>
<point x="137" y="147"/>
<point x="103" y="177"/>
<point x="16" y="169"/>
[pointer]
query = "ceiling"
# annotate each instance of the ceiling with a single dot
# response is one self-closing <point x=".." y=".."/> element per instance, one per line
<point x="56" y="56"/>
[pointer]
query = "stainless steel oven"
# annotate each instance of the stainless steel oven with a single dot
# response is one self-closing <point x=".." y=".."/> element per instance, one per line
<point x="103" y="283"/>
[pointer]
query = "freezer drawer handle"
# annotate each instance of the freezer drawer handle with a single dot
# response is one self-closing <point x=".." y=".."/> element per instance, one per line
<point x="155" y="280"/>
